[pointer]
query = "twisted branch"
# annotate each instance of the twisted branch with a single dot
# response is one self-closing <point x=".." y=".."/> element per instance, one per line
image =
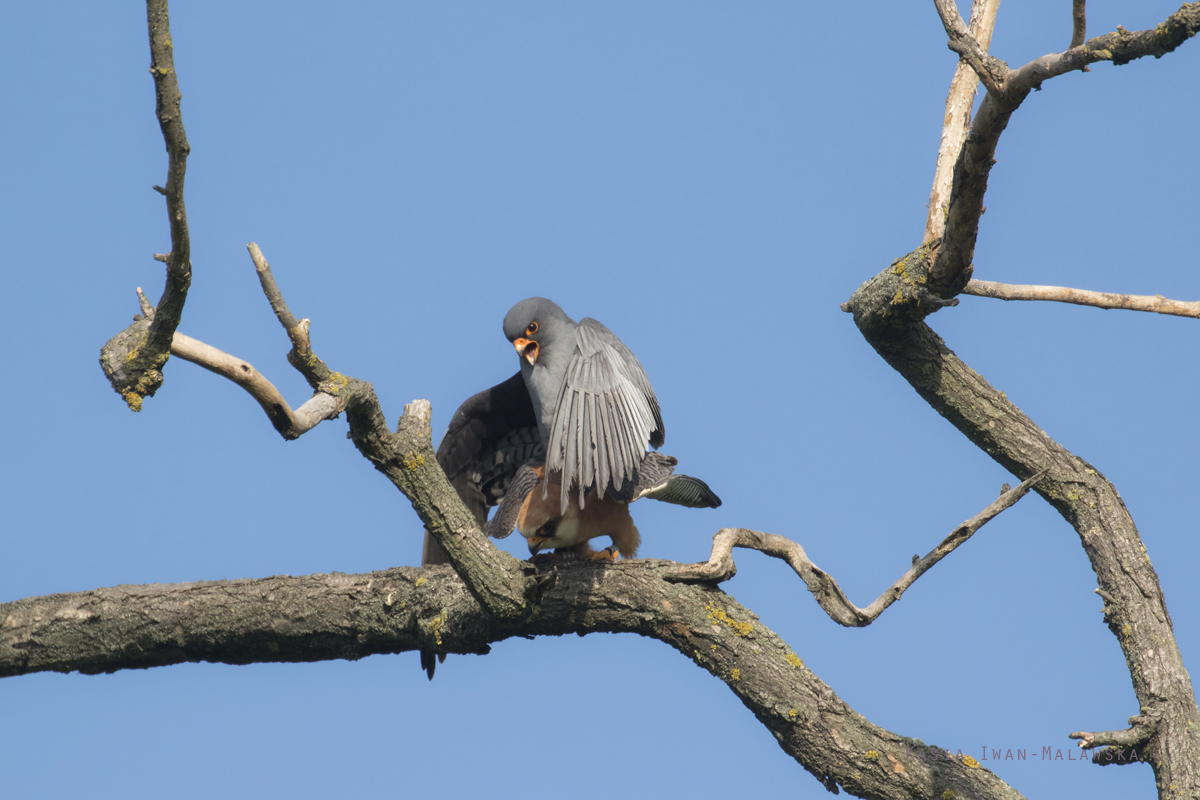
<point x="720" y="566"/>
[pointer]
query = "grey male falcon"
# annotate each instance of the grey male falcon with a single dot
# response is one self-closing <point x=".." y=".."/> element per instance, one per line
<point x="596" y="412"/>
<point x="580" y="418"/>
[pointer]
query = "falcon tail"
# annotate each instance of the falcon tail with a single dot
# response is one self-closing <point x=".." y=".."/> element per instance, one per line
<point x="684" y="490"/>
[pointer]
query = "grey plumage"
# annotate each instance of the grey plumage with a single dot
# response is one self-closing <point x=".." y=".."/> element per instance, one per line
<point x="597" y="413"/>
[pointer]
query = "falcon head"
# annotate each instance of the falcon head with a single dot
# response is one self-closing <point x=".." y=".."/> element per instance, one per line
<point x="541" y="537"/>
<point x="536" y="324"/>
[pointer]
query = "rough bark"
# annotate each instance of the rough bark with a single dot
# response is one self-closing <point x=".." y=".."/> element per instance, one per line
<point x="321" y="617"/>
<point x="889" y="310"/>
<point x="133" y="359"/>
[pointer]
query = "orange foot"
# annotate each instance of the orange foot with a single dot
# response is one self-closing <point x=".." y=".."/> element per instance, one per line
<point x="607" y="554"/>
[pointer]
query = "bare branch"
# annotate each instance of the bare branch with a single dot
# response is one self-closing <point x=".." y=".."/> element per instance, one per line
<point x="296" y="331"/>
<point x="1140" y="729"/>
<point x="958" y="117"/>
<point x="1079" y="22"/>
<point x="888" y="310"/>
<point x="133" y="359"/>
<point x="952" y="267"/>
<point x="146" y="306"/>
<point x="323" y="617"/>
<point x="290" y="424"/>
<point x="992" y="72"/>
<point x="1156" y="304"/>
<point x="720" y="566"/>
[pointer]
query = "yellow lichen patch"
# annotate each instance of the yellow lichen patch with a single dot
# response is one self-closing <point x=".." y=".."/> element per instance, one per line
<point x="420" y="581"/>
<point x="718" y="613"/>
<point x="948" y="794"/>
<point x="435" y="627"/>
<point x="793" y="659"/>
<point x="133" y="400"/>
<point x="970" y="762"/>
<point x="872" y="755"/>
<point x="338" y="381"/>
<point x="793" y="713"/>
<point x="735" y="674"/>
<point x="412" y="461"/>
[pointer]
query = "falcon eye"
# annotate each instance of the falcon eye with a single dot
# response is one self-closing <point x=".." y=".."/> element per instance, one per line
<point x="532" y="329"/>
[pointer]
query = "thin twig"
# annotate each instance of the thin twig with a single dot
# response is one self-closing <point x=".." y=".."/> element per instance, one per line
<point x="1155" y="304"/>
<point x="720" y="566"/>
<point x="957" y="121"/>
<point x="302" y="358"/>
<point x="1079" y="22"/>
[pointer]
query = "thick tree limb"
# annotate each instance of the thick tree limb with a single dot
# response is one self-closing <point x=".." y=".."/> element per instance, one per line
<point x="957" y="122"/>
<point x="1156" y="304"/>
<point x="321" y="617"/>
<point x="720" y="566"/>
<point x="888" y="310"/>
<point x="133" y="359"/>
<point x="1007" y="89"/>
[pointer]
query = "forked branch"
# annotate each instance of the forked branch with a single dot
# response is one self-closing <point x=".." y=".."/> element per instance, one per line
<point x="1007" y="89"/>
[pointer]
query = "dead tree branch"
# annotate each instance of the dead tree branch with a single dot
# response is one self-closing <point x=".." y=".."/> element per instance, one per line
<point x="1007" y="89"/>
<point x="322" y="617"/>
<point x="957" y="122"/>
<point x="133" y="359"/>
<point x="889" y="311"/>
<point x="720" y="566"/>
<point x="1155" y="304"/>
<point x="1078" y="22"/>
<point x="504" y="586"/>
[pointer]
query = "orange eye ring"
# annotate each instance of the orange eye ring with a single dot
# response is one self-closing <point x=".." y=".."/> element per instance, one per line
<point x="532" y="329"/>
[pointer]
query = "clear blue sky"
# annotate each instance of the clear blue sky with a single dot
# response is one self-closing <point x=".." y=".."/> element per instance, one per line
<point x="711" y="182"/>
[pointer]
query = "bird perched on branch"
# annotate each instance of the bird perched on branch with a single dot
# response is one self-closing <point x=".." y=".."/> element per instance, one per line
<point x="564" y="445"/>
<point x="540" y="519"/>
<point x="596" y="412"/>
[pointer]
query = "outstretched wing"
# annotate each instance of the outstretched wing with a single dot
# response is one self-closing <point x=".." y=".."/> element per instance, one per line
<point x="490" y="436"/>
<point x="606" y="417"/>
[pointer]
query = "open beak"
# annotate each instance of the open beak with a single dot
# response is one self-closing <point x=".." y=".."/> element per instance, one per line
<point x="527" y="348"/>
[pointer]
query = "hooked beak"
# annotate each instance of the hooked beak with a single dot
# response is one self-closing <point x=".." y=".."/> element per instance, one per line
<point x="526" y="348"/>
<point x="535" y="545"/>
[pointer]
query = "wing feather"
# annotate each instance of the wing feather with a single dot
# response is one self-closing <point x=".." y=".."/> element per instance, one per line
<point x="606" y="417"/>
